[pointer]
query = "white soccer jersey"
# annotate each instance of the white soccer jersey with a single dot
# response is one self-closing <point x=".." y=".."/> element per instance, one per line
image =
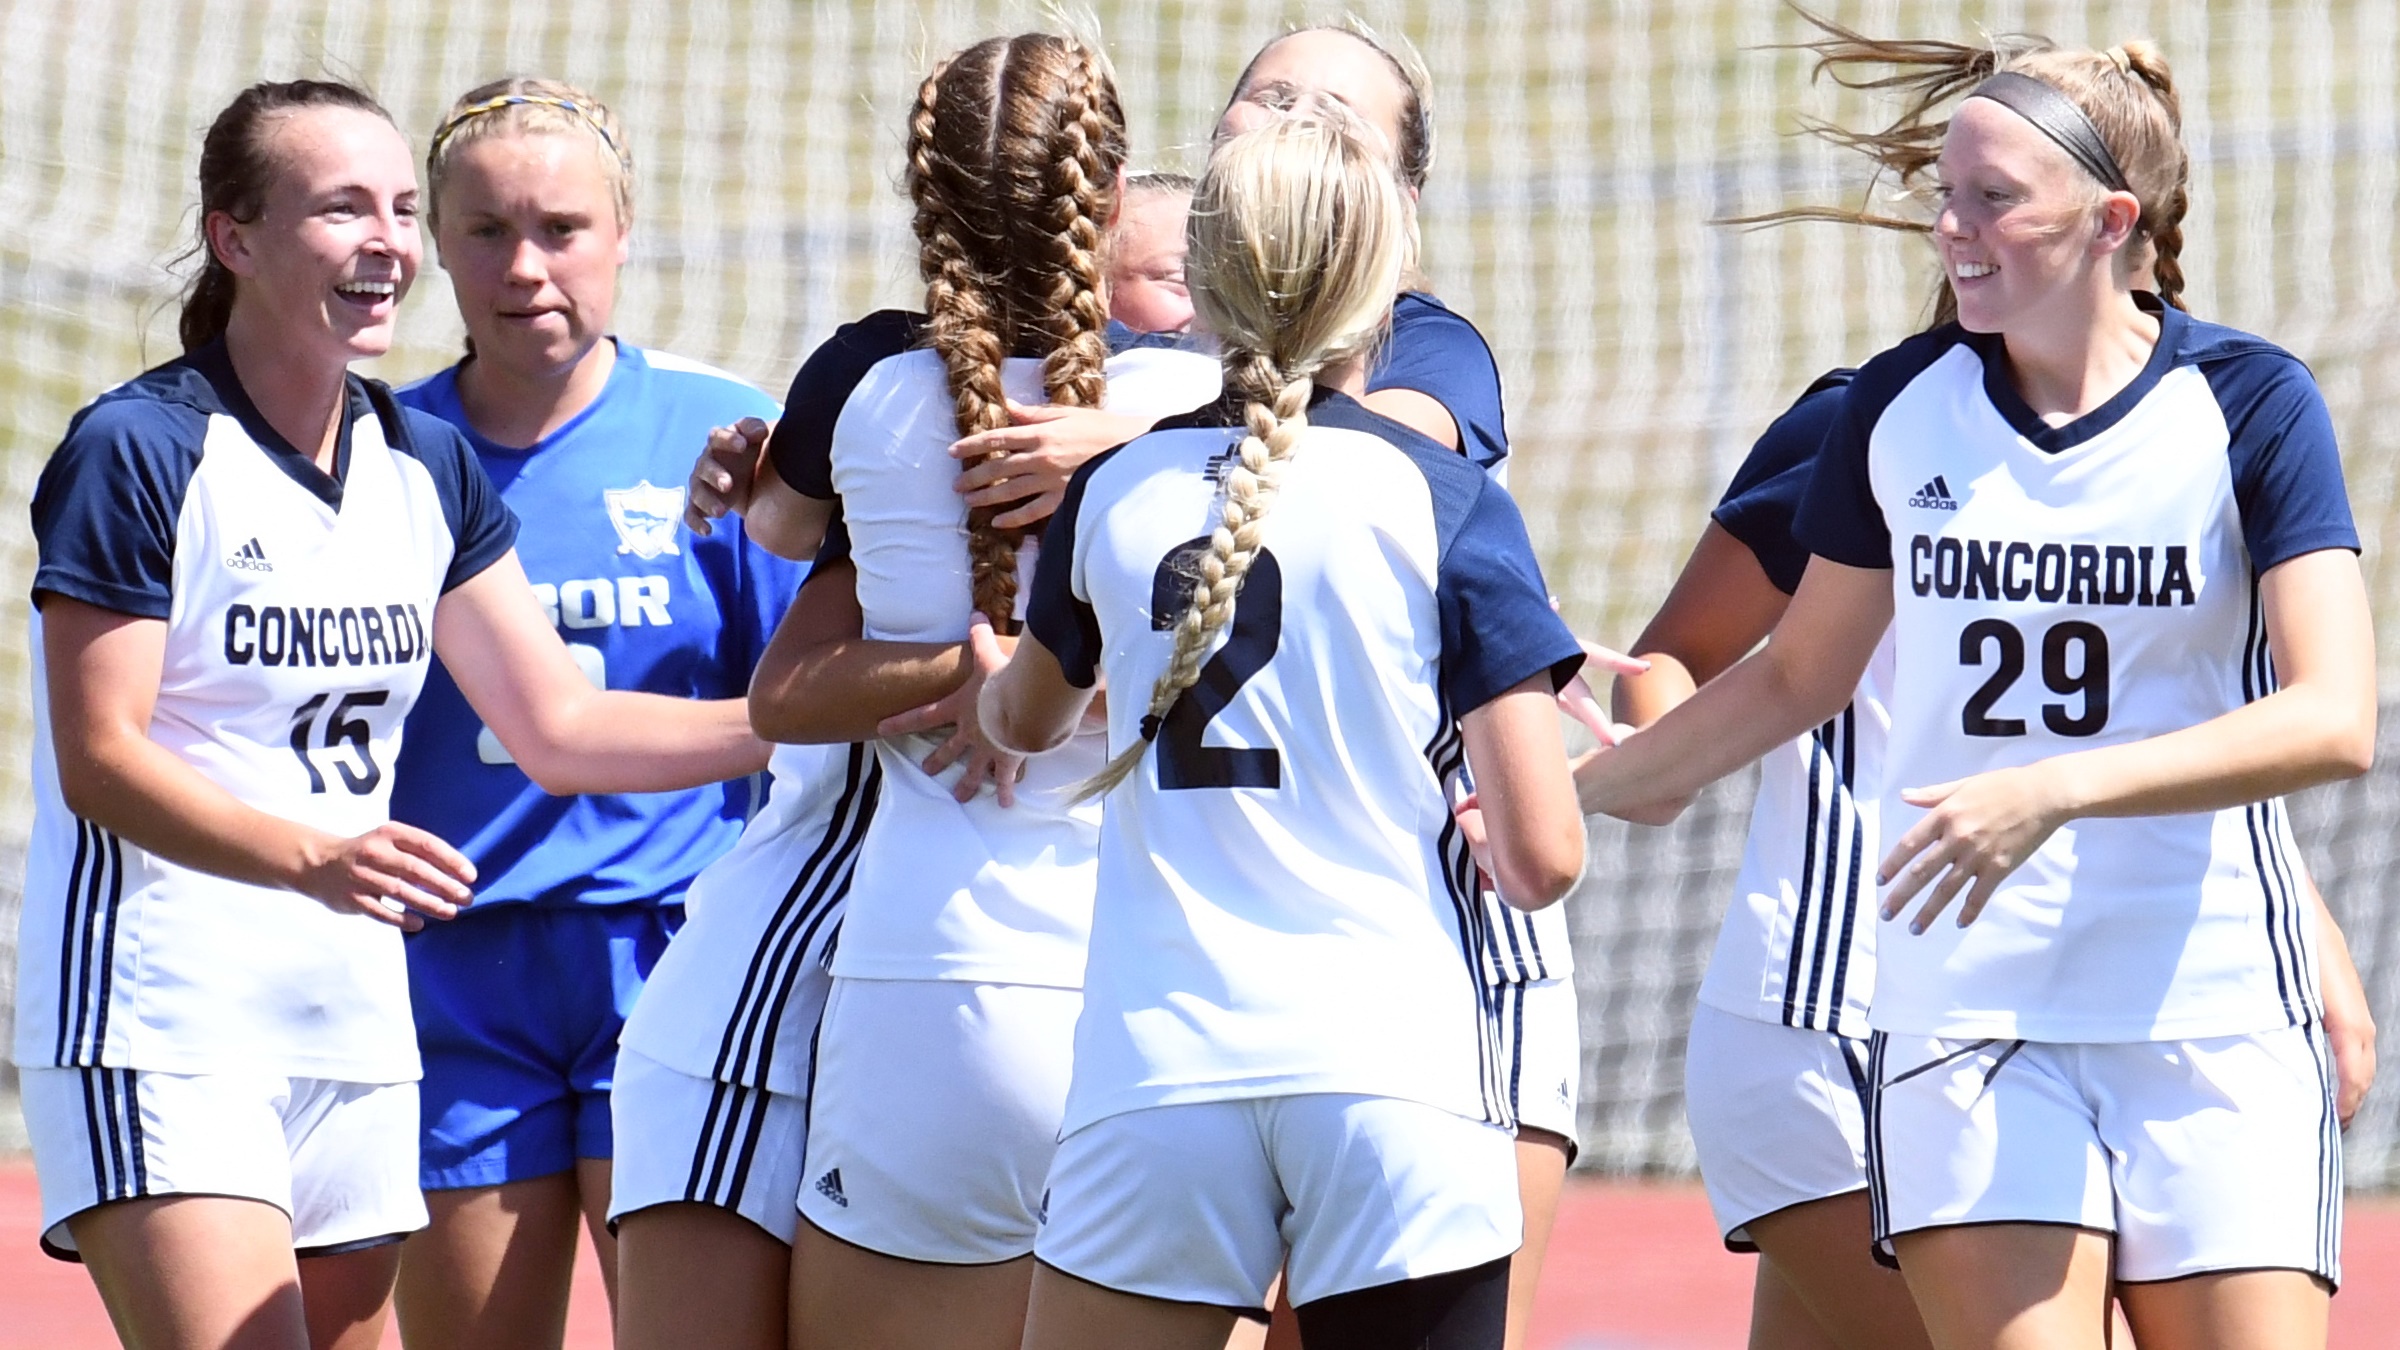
<point x="299" y="612"/>
<point x="1798" y="942"/>
<point x="2061" y="588"/>
<point x="943" y="890"/>
<point x="1285" y="905"/>
<point x="720" y="1004"/>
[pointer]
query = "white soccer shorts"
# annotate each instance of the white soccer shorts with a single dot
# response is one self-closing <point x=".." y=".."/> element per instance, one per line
<point x="2200" y="1156"/>
<point x="1200" y="1202"/>
<point x="934" y="1115"/>
<point x="339" y="1158"/>
<point x="1542" y="1045"/>
<point x="684" y="1139"/>
<point x="1778" y="1116"/>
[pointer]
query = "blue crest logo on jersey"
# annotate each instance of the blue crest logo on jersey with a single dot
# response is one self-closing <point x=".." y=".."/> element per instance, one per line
<point x="646" y="518"/>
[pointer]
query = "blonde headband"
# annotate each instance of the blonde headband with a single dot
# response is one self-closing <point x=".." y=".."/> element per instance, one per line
<point x="452" y="123"/>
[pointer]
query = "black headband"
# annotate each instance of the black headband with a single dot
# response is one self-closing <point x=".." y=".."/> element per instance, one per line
<point x="2056" y="116"/>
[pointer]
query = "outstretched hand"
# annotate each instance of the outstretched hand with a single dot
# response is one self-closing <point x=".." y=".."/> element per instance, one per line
<point x="1974" y="833"/>
<point x="1026" y="465"/>
<point x="393" y="874"/>
<point x="985" y="762"/>
<point x="725" y="476"/>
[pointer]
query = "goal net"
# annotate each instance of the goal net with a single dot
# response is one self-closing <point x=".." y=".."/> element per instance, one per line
<point x="1583" y="147"/>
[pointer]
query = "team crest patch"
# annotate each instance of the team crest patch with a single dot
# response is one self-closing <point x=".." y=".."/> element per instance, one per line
<point x="646" y="518"/>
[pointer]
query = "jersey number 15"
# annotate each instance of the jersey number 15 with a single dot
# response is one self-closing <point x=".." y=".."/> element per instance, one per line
<point x="359" y="772"/>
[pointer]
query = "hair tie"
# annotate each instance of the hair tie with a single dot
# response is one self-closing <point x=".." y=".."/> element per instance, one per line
<point x="2122" y="59"/>
<point x="1150" y="725"/>
<point x="2057" y="117"/>
<point x="451" y="124"/>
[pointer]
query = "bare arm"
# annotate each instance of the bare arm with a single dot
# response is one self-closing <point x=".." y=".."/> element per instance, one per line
<point x="1027" y="704"/>
<point x="2349" y="1019"/>
<point x="102" y="669"/>
<point x="2318" y="727"/>
<point x="1419" y="412"/>
<point x="1721" y="607"/>
<point x="733" y="474"/>
<point x="1532" y="827"/>
<point x="820" y="682"/>
<point x="566" y="735"/>
<point x="1809" y="668"/>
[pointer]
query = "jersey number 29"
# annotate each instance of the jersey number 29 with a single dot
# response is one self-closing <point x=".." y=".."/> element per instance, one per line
<point x="1257" y="629"/>
<point x="2090" y="679"/>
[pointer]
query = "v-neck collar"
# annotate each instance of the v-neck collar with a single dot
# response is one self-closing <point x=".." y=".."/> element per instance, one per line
<point x="627" y="356"/>
<point x="216" y="367"/>
<point x="2052" y="440"/>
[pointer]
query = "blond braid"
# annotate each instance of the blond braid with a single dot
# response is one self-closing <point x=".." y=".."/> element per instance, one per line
<point x="1274" y="414"/>
<point x="966" y="323"/>
<point x="1299" y="237"/>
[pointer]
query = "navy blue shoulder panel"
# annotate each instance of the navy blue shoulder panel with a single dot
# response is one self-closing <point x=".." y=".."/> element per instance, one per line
<point x="802" y="446"/>
<point x="1435" y="351"/>
<point x="2287" y="468"/>
<point x="106" y="505"/>
<point x="1058" y="618"/>
<point x="1766" y="491"/>
<point x="482" y="528"/>
<point x="1498" y="629"/>
<point x="1838" y="518"/>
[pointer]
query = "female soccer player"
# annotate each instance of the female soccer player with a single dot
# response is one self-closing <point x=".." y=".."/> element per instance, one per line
<point x="247" y="557"/>
<point x="2110" y="657"/>
<point x="1435" y="374"/>
<point x="1146" y="291"/>
<point x="519" y="1003"/>
<point x="1289" y="1040"/>
<point x="941" y="1064"/>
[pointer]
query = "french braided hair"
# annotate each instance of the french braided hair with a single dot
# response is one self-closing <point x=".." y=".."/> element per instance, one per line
<point x="1014" y="149"/>
<point x="236" y="168"/>
<point x="2128" y="92"/>
<point x="1299" y="237"/>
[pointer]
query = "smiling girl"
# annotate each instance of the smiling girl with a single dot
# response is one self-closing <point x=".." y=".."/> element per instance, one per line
<point x="2116" y="556"/>
<point x="247" y="558"/>
<point x="586" y="436"/>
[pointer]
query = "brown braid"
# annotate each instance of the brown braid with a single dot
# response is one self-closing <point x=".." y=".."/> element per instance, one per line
<point x="1079" y="193"/>
<point x="1013" y="153"/>
<point x="2165" y="225"/>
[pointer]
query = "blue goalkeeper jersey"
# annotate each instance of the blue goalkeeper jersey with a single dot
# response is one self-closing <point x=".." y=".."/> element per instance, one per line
<point x="643" y="604"/>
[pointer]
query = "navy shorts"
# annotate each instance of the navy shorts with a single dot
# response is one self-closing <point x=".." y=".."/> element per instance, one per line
<point x="518" y="1009"/>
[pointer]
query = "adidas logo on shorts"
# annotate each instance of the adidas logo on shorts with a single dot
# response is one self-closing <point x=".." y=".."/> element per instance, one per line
<point x="830" y="1186"/>
<point x="1934" y="496"/>
<point x="250" y="558"/>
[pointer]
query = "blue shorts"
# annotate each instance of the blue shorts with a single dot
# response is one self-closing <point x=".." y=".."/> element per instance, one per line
<point x="518" y="1008"/>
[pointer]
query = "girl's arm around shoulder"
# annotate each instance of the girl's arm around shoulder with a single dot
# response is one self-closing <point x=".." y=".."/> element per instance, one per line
<point x="102" y="672"/>
<point x="569" y="737"/>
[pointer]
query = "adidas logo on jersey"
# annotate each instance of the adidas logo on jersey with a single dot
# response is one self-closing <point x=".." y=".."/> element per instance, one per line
<point x="250" y="558"/>
<point x="1934" y="496"/>
<point x="830" y="1186"/>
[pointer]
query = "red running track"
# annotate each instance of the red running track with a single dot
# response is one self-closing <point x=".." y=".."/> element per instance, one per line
<point x="1633" y="1267"/>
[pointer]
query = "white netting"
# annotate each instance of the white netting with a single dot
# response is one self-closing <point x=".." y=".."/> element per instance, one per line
<point x="1582" y="148"/>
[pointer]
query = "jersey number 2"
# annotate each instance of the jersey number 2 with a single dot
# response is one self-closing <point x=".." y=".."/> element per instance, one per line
<point x="340" y="726"/>
<point x="1183" y="762"/>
